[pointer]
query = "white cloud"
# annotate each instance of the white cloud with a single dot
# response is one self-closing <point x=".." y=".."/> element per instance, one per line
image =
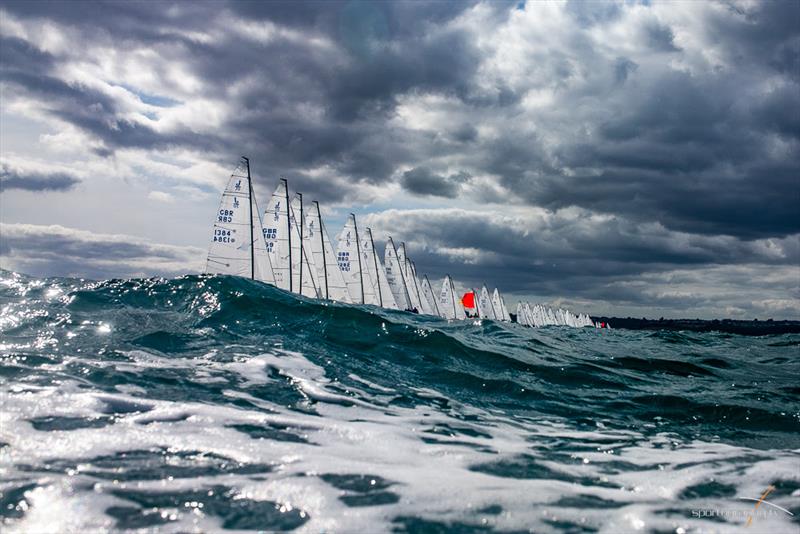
<point x="161" y="196"/>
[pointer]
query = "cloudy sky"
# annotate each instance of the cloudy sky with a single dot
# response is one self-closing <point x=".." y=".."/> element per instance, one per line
<point x="620" y="158"/>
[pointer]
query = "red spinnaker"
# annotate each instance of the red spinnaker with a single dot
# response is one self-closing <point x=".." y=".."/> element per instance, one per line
<point x="468" y="300"/>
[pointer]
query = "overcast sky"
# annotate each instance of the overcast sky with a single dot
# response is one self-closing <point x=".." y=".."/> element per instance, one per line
<point x="619" y="158"/>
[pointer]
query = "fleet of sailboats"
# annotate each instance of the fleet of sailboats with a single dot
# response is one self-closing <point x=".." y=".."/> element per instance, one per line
<point x="289" y="247"/>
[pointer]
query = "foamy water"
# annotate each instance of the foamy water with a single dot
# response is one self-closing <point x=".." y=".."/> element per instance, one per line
<point x="204" y="404"/>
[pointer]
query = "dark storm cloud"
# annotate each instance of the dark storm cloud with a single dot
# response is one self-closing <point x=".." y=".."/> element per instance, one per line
<point x="421" y="181"/>
<point x="381" y="52"/>
<point x="11" y="178"/>
<point x="660" y="38"/>
<point x="680" y="136"/>
<point x="698" y="134"/>
<point x="24" y="68"/>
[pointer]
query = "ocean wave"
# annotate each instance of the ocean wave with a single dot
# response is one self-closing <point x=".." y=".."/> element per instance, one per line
<point x="213" y="402"/>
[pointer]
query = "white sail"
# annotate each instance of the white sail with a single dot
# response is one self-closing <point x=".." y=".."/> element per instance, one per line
<point x="497" y="305"/>
<point x="237" y="245"/>
<point x="429" y="297"/>
<point x="413" y="286"/>
<point x="529" y="314"/>
<point x="521" y="318"/>
<point x="276" y="235"/>
<point x="349" y="259"/>
<point x="385" y="296"/>
<point x="395" y="278"/>
<point x="372" y="289"/>
<point x="485" y="310"/>
<point x="506" y="315"/>
<point x="329" y="278"/>
<point x="427" y="305"/>
<point x="386" y="291"/>
<point x="401" y="257"/>
<point x="447" y="300"/>
<point x="408" y="277"/>
<point x="460" y="311"/>
<point x="539" y="318"/>
<point x="304" y="271"/>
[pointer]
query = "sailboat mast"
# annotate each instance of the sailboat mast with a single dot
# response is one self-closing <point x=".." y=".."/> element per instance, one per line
<point x="403" y="278"/>
<point x="413" y="270"/>
<point x="358" y="253"/>
<point x="252" y="237"/>
<point x="377" y="272"/>
<point x="430" y="289"/>
<point x="289" y="229"/>
<point x="453" y="295"/>
<point x="322" y="241"/>
<point x="300" y="224"/>
<point x="491" y="304"/>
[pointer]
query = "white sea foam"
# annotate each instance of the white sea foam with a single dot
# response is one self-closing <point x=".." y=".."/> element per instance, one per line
<point x="347" y="436"/>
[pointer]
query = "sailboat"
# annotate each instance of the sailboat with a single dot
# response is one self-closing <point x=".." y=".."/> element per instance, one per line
<point x="290" y="248"/>
<point x="429" y="297"/>
<point x="449" y="305"/>
<point x="238" y="246"/>
<point x="408" y="276"/>
<point x="329" y="277"/>
<point x="348" y="256"/>
<point x="485" y="308"/>
<point x="395" y="278"/>
<point x="377" y="273"/>
<point x="277" y="235"/>
<point x="304" y="271"/>
<point x="506" y="315"/>
<point x="426" y="306"/>
<point x="499" y="307"/>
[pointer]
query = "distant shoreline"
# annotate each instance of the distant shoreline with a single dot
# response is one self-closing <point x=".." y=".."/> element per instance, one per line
<point x="731" y="326"/>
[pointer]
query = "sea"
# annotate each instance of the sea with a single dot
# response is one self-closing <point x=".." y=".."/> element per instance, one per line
<point x="213" y="403"/>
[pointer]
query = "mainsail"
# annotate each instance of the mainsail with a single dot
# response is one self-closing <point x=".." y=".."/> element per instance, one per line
<point x="524" y="314"/>
<point x="277" y="236"/>
<point x="460" y="311"/>
<point x="447" y="299"/>
<point x="238" y="245"/>
<point x="413" y="286"/>
<point x="384" y="292"/>
<point x="349" y="259"/>
<point x="506" y="315"/>
<point x="426" y="306"/>
<point x="408" y="276"/>
<point x="372" y="289"/>
<point x="498" y="307"/>
<point x="330" y="281"/>
<point x="395" y="278"/>
<point x="485" y="309"/>
<point x="449" y="305"/>
<point x="304" y="272"/>
<point x="429" y="297"/>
